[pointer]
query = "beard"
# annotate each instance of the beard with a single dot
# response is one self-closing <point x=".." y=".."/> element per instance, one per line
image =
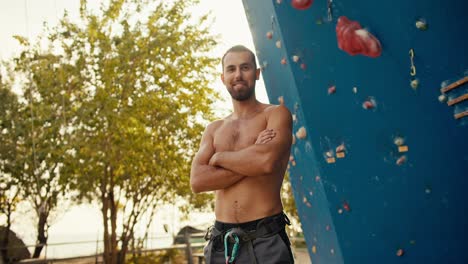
<point x="241" y="95"/>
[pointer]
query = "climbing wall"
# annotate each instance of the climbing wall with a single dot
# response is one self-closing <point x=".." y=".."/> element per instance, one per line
<point x="378" y="91"/>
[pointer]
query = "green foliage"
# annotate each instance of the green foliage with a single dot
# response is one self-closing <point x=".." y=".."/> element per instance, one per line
<point x="289" y="205"/>
<point x="112" y="110"/>
<point x="115" y="108"/>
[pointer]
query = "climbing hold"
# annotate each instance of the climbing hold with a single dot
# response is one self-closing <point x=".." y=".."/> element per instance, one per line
<point x="294" y="117"/>
<point x="281" y="100"/>
<point x="414" y="84"/>
<point x="314" y="249"/>
<point x="402" y="149"/>
<point x="421" y="24"/>
<point x="346" y="206"/>
<point x="355" y="90"/>
<point x="303" y="66"/>
<point x="327" y="228"/>
<point x="340" y="151"/>
<point x="317" y="178"/>
<point x="399" y="141"/>
<point x="428" y="190"/>
<point x="301" y="4"/>
<point x="355" y="40"/>
<point x="269" y="35"/>
<point x="278" y="44"/>
<point x="283" y="61"/>
<point x="295" y="58"/>
<point x="329" y="154"/>
<point x="400" y="252"/>
<point x="293" y="139"/>
<point x="291" y="158"/>
<point x="330" y="160"/>
<point x="400" y="161"/>
<point x="279" y="1"/>
<point x="293" y="162"/>
<point x="340" y="211"/>
<point x="369" y="104"/>
<point x="340" y="148"/>
<point x="332" y="89"/>
<point x="332" y="251"/>
<point x="442" y="98"/>
<point x="301" y="133"/>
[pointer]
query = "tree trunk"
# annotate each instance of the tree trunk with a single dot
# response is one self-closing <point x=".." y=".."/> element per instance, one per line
<point x="105" y="218"/>
<point x="113" y="219"/>
<point x="6" y="236"/>
<point x="123" y="251"/>
<point x="41" y="234"/>
<point x="109" y="214"/>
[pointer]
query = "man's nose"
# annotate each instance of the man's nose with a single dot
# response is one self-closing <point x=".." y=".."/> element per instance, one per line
<point x="237" y="74"/>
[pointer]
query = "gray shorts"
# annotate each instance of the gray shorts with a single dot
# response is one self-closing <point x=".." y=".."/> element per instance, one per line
<point x="270" y="246"/>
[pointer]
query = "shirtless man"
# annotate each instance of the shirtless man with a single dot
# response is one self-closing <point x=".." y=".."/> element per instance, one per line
<point x="243" y="159"/>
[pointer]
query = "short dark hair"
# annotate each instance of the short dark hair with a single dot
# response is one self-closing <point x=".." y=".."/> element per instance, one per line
<point x="239" y="48"/>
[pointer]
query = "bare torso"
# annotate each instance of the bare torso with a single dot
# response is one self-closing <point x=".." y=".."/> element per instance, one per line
<point x="252" y="197"/>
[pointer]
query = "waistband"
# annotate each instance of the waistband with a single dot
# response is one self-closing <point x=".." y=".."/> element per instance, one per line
<point x="246" y="226"/>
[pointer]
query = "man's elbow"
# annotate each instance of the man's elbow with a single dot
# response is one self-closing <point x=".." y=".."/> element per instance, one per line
<point x="269" y="166"/>
<point x="195" y="185"/>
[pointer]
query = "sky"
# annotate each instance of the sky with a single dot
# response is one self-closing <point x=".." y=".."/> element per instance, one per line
<point x="26" y="18"/>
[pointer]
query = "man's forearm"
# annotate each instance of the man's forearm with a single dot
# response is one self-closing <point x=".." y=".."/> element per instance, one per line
<point x="211" y="178"/>
<point x="251" y="161"/>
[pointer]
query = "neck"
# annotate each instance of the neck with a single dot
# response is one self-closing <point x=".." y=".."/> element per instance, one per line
<point x="245" y="109"/>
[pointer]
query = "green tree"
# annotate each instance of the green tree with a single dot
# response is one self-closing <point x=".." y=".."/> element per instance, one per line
<point x="9" y="140"/>
<point x="142" y="73"/>
<point x="44" y="107"/>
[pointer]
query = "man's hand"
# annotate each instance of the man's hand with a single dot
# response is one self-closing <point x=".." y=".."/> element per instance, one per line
<point x="265" y="136"/>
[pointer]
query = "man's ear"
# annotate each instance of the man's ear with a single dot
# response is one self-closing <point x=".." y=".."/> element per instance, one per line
<point x="222" y="77"/>
<point x="257" y="74"/>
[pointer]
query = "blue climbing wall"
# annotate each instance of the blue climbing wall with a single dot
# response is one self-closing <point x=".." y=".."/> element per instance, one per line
<point x="379" y="165"/>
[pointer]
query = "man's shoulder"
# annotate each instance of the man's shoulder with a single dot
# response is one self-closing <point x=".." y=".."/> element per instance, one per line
<point x="277" y="111"/>
<point x="214" y="125"/>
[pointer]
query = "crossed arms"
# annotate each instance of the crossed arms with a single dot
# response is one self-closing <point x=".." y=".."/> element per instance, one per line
<point x="214" y="171"/>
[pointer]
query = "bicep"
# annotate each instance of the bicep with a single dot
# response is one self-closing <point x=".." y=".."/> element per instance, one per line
<point x="206" y="149"/>
<point x="280" y="121"/>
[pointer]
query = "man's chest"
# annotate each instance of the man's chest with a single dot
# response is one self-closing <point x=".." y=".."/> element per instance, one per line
<point x="234" y="135"/>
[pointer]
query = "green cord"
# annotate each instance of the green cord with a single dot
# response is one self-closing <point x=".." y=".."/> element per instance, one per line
<point x="230" y="259"/>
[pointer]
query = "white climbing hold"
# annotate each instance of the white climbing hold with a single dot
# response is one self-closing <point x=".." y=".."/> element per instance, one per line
<point x="301" y="133"/>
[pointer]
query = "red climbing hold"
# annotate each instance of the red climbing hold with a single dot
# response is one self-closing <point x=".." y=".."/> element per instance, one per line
<point x="355" y="40"/>
<point x="346" y="206"/>
<point x="301" y="4"/>
<point x="369" y="104"/>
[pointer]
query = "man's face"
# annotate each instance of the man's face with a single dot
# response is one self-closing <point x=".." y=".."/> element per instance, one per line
<point x="239" y="75"/>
